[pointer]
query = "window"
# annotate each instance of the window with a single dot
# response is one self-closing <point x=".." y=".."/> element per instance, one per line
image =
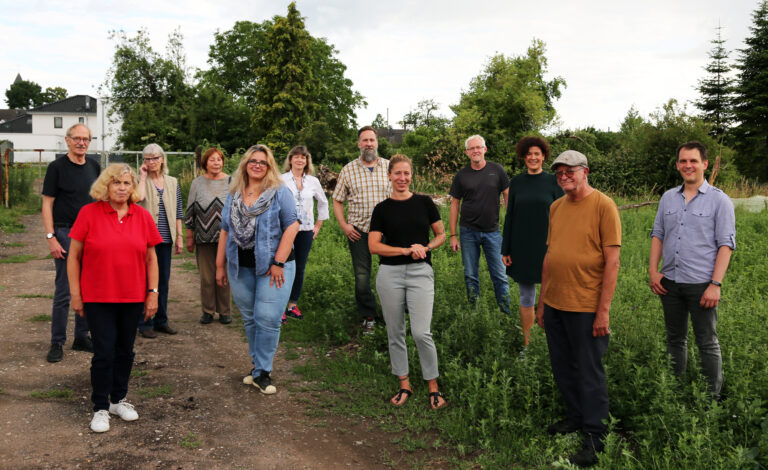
<point x="81" y="120"/>
<point x="57" y="124"/>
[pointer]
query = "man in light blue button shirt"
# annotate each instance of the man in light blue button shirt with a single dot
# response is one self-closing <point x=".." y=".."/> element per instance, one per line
<point x="695" y="233"/>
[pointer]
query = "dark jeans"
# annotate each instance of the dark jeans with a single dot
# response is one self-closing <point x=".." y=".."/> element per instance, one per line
<point x="60" y="309"/>
<point x="576" y="358"/>
<point x="361" y="264"/>
<point x="679" y="301"/>
<point x="113" y="330"/>
<point x="164" y="252"/>
<point x="301" y="246"/>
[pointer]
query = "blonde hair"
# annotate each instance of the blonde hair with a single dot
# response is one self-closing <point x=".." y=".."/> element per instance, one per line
<point x="100" y="187"/>
<point x="309" y="169"/>
<point x="154" y="149"/>
<point x="240" y="178"/>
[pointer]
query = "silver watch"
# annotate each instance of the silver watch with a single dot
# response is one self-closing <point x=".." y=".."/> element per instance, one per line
<point x="49" y="235"/>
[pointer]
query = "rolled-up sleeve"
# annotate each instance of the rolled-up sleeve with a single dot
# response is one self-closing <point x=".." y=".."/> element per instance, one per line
<point x="322" y="201"/>
<point x="225" y="213"/>
<point x="287" y="207"/>
<point x="658" y="222"/>
<point x="725" y="223"/>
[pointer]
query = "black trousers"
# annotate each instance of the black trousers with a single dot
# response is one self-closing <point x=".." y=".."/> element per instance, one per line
<point x="576" y="358"/>
<point x="113" y="331"/>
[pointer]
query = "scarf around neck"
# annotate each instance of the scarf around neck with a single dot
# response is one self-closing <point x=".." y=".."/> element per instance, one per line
<point x="244" y="217"/>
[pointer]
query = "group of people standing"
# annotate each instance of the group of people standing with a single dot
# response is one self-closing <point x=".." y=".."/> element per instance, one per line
<point x="252" y="233"/>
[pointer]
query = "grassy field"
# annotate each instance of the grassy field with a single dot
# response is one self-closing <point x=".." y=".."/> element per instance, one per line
<point x="500" y="403"/>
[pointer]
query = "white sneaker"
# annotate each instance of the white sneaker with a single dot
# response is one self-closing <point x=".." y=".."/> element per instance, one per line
<point x="100" y="421"/>
<point x="124" y="410"/>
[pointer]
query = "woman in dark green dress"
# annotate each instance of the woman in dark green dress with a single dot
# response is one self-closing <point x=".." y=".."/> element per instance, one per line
<point x="524" y="241"/>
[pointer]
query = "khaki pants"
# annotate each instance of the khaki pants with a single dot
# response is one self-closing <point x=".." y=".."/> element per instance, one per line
<point x="213" y="297"/>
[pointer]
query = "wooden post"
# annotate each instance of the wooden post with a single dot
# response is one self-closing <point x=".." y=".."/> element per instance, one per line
<point x="6" y="157"/>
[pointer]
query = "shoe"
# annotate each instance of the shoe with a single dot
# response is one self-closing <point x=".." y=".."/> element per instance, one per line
<point x="206" y="318"/>
<point x="225" y="319"/>
<point x="100" y="421"/>
<point x="124" y="410"/>
<point x="166" y="329"/>
<point x="294" y="312"/>
<point x="587" y="456"/>
<point x="55" y="354"/>
<point x="564" y="426"/>
<point x="83" y="344"/>
<point x="248" y="379"/>
<point x="368" y="324"/>
<point x="284" y="320"/>
<point x="434" y="400"/>
<point x="264" y="383"/>
<point x="148" y="334"/>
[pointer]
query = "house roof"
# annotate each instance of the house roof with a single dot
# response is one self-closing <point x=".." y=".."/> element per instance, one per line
<point x="19" y="125"/>
<point x="78" y="104"/>
<point x="8" y="114"/>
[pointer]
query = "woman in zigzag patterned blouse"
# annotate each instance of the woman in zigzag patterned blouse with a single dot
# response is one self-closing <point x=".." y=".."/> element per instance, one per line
<point x="203" y="221"/>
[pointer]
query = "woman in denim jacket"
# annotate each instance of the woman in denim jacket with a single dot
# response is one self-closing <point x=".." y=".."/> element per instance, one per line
<point x="255" y="255"/>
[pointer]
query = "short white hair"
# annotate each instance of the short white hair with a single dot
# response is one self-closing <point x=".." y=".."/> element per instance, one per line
<point x="473" y="137"/>
<point x="154" y="149"/>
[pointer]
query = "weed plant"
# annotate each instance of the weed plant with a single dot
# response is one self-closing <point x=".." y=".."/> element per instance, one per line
<point x="501" y="402"/>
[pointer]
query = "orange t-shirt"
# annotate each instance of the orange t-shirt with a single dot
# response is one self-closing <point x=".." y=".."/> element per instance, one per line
<point x="578" y="231"/>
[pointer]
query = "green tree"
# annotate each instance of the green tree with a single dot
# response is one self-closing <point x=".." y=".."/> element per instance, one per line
<point x="751" y="110"/>
<point x="509" y="99"/>
<point x="23" y="94"/>
<point x="717" y="89"/>
<point x="278" y="68"/>
<point x="150" y="92"/>
<point x="53" y="94"/>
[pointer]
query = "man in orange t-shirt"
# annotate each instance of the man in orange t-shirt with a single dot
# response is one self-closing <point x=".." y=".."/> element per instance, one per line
<point x="578" y="280"/>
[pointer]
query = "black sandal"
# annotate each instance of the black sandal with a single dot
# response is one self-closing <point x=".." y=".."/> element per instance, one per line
<point x="399" y="396"/>
<point x="434" y="402"/>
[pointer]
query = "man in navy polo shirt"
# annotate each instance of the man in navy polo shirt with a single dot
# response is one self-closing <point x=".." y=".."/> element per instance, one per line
<point x="695" y="233"/>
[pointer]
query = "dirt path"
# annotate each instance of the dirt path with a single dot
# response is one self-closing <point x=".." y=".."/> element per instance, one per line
<point x="203" y="416"/>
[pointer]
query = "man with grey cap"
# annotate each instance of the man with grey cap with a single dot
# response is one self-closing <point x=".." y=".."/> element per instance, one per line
<point x="577" y="285"/>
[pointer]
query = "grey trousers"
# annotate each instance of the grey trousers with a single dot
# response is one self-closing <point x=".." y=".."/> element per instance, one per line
<point x="411" y="285"/>
<point x="678" y="302"/>
<point x="214" y="298"/>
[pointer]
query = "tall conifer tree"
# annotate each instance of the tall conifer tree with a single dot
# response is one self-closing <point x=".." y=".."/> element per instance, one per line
<point x="717" y="88"/>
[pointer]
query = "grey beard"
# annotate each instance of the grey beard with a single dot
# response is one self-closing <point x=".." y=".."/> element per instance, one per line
<point x="369" y="155"/>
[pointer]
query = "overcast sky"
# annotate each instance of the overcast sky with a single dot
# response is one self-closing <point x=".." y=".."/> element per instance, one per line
<point x="612" y="54"/>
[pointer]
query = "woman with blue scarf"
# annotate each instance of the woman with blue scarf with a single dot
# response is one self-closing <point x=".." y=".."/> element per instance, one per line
<point x="255" y="255"/>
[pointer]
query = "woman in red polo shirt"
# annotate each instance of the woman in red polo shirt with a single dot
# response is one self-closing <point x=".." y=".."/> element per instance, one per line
<point x="113" y="278"/>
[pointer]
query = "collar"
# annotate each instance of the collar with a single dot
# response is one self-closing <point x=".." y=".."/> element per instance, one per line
<point x="705" y="186"/>
<point x="108" y="209"/>
<point x="379" y="162"/>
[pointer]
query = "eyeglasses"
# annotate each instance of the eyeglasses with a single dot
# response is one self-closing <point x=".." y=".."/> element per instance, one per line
<point x="79" y="139"/>
<point x="477" y="147"/>
<point x="569" y="172"/>
<point x="152" y="159"/>
<point x="257" y="163"/>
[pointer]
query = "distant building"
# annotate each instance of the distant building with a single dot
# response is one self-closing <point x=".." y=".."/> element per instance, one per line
<point x="394" y="136"/>
<point x="45" y="127"/>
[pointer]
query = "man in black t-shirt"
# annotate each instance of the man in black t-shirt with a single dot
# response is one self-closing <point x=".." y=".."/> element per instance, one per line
<point x="66" y="186"/>
<point x="475" y="194"/>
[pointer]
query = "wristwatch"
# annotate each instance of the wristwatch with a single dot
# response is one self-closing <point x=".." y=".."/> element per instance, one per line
<point x="715" y="283"/>
<point x="49" y="235"/>
<point x="278" y="264"/>
<point x="153" y="290"/>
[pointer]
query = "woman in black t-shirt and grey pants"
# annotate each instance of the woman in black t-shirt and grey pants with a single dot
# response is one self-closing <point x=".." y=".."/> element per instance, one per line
<point x="400" y="236"/>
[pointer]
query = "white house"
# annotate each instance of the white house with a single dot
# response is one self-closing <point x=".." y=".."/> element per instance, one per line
<point x="45" y="127"/>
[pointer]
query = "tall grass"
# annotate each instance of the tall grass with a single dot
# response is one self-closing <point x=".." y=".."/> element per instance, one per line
<point x="501" y="404"/>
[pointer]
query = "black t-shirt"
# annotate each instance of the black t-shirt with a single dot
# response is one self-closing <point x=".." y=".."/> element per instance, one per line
<point x="479" y="193"/>
<point x="70" y="184"/>
<point x="403" y="223"/>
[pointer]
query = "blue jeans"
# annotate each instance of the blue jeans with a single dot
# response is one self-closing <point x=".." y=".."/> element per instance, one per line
<point x="164" y="252"/>
<point x="471" y="241"/>
<point x="60" y="308"/>
<point x="301" y="246"/>
<point x="261" y="307"/>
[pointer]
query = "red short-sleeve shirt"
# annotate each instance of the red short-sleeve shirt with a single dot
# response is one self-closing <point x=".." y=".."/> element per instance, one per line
<point x="114" y="262"/>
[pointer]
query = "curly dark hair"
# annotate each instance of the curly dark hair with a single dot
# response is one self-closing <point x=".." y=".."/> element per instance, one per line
<point x="527" y="142"/>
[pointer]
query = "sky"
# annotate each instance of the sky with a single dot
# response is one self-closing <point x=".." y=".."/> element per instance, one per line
<point x="613" y="55"/>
